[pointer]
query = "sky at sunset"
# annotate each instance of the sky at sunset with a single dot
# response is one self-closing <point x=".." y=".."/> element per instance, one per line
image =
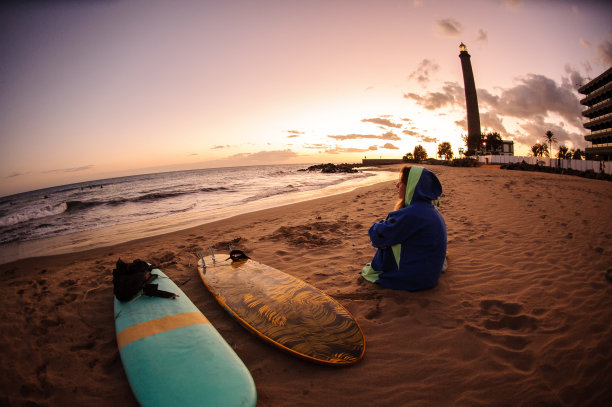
<point x="95" y="89"/>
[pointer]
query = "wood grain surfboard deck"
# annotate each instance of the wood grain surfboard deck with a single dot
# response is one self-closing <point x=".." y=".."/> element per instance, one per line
<point x="284" y="310"/>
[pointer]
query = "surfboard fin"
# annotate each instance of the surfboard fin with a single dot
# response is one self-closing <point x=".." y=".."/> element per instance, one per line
<point x="202" y="258"/>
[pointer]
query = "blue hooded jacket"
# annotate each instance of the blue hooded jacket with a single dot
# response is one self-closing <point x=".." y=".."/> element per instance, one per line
<point x="411" y="242"/>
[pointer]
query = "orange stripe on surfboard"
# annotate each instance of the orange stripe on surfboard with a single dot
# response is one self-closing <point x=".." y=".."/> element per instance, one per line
<point x="159" y="325"/>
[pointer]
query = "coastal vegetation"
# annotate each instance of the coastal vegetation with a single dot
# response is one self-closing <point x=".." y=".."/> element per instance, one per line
<point x="523" y="166"/>
<point x="487" y="143"/>
<point x="419" y="153"/>
<point x="445" y="149"/>
<point x="539" y="150"/>
<point x="550" y="137"/>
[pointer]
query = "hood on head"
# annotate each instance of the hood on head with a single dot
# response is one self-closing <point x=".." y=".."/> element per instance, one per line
<point x="422" y="185"/>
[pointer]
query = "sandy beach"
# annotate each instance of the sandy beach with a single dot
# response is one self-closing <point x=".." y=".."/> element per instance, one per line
<point x="521" y="317"/>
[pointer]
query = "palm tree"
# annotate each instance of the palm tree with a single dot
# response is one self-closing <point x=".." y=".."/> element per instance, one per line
<point x="564" y="153"/>
<point x="551" y="139"/>
<point x="578" y="154"/>
<point x="539" y="150"/>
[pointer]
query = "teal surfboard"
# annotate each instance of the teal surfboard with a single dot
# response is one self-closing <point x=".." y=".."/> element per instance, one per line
<point x="173" y="356"/>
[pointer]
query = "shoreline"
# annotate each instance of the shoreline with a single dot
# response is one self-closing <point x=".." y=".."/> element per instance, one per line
<point x="525" y="300"/>
<point x="127" y="232"/>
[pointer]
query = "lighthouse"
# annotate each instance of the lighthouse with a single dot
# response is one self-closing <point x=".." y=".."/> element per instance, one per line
<point x="471" y="100"/>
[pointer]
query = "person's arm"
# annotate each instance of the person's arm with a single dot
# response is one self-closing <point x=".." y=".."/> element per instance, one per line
<point x="393" y="230"/>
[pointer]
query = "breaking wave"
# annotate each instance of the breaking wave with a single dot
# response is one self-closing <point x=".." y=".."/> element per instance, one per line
<point x="29" y="214"/>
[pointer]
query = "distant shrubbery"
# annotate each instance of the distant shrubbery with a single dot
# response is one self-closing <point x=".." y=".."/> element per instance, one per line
<point x="523" y="166"/>
<point x="457" y="162"/>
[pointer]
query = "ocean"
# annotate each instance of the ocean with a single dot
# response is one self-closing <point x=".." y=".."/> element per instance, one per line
<point x="104" y="212"/>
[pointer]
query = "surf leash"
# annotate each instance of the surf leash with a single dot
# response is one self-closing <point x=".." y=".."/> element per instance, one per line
<point x="128" y="303"/>
<point x="238" y="255"/>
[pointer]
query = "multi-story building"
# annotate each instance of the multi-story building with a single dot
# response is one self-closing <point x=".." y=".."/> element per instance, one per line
<point x="599" y="113"/>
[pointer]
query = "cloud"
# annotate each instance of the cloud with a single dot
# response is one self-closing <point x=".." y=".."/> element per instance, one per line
<point x="574" y="79"/>
<point x="420" y="137"/>
<point x="387" y="136"/>
<point x="294" y="133"/>
<point x="73" y="169"/>
<point x="461" y="124"/>
<point x="449" y="27"/>
<point x="513" y="4"/>
<point x="423" y="71"/>
<point x="219" y="147"/>
<point x="329" y="149"/>
<point x="575" y="10"/>
<point x="452" y="94"/>
<point x="534" y="96"/>
<point x="489" y="121"/>
<point x="383" y="122"/>
<point x="264" y="156"/>
<point x="15" y="174"/>
<point x="482" y="35"/>
<point x="605" y="53"/>
<point x="339" y="150"/>
<point x="318" y="146"/>
<point x="537" y="127"/>
<point x="390" y="146"/>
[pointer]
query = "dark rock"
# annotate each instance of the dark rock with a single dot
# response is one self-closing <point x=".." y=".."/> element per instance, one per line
<point x="334" y="168"/>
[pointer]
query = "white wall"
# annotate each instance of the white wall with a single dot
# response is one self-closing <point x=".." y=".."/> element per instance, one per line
<point x="580" y="165"/>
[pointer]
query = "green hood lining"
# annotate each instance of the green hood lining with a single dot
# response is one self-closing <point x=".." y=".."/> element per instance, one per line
<point x="413" y="179"/>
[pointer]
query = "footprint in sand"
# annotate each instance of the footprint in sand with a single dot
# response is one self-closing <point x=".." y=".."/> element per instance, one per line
<point x="507" y="328"/>
<point x="67" y="283"/>
<point x="67" y="299"/>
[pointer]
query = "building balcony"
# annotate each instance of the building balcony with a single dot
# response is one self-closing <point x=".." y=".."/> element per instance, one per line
<point x="602" y="134"/>
<point x="604" y="150"/>
<point x="598" y="109"/>
<point x="601" y="94"/>
<point x="593" y="85"/>
<point x="599" y="123"/>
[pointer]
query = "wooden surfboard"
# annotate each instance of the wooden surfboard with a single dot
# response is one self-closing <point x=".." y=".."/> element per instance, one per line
<point x="173" y="356"/>
<point x="284" y="311"/>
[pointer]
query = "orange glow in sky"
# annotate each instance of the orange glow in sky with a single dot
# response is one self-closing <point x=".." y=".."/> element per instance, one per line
<point x="90" y="90"/>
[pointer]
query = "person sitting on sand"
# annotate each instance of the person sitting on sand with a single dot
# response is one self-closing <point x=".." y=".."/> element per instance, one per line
<point x="411" y="242"/>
